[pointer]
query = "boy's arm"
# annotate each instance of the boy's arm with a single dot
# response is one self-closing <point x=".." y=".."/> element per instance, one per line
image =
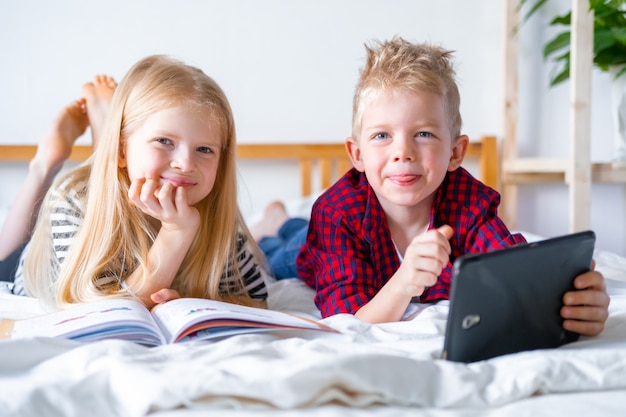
<point x="425" y="258"/>
<point x="334" y="261"/>
<point x="585" y="309"/>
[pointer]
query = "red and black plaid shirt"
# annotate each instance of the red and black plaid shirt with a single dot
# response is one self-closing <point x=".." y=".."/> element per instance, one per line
<point x="349" y="254"/>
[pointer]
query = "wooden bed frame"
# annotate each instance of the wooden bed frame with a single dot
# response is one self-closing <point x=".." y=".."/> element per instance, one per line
<point x="329" y="161"/>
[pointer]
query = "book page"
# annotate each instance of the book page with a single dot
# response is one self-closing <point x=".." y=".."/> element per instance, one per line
<point x="113" y="318"/>
<point x="179" y="316"/>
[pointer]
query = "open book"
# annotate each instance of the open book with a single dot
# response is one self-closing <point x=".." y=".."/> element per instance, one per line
<point x="180" y="320"/>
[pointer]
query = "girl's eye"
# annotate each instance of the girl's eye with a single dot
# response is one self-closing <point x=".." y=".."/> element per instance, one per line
<point x="164" y="141"/>
<point x="204" y="149"/>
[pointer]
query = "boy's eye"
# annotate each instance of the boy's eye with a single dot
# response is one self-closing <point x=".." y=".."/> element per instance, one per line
<point x="424" y="134"/>
<point x="164" y="141"/>
<point x="381" y="136"/>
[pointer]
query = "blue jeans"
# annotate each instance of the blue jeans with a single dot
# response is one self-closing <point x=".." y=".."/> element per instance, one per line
<point x="8" y="267"/>
<point x="282" y="250"/>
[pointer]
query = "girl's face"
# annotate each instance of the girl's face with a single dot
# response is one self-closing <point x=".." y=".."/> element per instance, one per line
<point x="175" y="145"/>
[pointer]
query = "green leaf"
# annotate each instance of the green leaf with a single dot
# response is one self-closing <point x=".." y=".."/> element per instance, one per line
<point x="559" y="42"/>
<point x="620" y="34"/>
<point x="565" y="20"/>
<point x="533" y="9"/>
<point x="560" y="77"/>
<point x="608" y="57"/>
<point x="603" y="39"/>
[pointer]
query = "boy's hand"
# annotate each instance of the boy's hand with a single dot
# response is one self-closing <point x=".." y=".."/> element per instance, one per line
<point x="586" y="309"/>
<point x="168" y="204"/>
<point x="424" y="259"/>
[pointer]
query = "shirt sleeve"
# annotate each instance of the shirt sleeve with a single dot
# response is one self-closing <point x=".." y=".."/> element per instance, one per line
<point x="253" y="274"/>
<point x="333" y="262"/>
<point x="65" y="218"/>
<point x="471" y="208"/>
<point x="486" y="231"/>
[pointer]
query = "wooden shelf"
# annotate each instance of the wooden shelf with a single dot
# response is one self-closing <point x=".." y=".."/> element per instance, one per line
<point x="541" y="170"/>
<point x="608" y="173"/>
<point x="577" y="171"/>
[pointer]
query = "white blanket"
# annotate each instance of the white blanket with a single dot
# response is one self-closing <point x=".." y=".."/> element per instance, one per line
<point x="370" y="368"/>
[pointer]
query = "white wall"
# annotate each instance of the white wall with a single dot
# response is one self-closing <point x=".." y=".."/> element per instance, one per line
<point x="289" y="68"/>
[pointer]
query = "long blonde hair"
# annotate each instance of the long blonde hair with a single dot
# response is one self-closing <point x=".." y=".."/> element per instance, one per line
<point x="115" y="236"/>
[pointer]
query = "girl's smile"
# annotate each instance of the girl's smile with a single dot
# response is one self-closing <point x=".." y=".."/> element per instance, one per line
<point x="176" y="182"/>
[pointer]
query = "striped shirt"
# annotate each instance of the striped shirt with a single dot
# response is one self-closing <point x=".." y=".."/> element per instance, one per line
<point x="67" y="216"/>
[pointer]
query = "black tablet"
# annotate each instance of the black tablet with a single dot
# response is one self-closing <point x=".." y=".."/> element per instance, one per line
<point x="509" y="300"/>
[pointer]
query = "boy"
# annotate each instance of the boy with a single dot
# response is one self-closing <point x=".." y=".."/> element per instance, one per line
<point x="388" y="231"/>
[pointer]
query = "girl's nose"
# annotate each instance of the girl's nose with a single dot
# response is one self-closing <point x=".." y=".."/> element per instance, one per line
<point x="183" y="160"/>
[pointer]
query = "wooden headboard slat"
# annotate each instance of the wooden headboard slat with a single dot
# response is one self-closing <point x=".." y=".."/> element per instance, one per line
<point x="329" y="159"/>
<point x="16" y="153"/>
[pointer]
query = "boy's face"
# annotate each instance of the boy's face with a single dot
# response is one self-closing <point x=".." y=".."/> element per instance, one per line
<point x="405" y="148"/>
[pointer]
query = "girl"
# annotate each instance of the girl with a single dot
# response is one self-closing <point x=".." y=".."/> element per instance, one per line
<point x="155" y="207"/>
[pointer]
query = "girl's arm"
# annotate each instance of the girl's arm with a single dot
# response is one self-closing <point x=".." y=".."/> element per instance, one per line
<point x="22" y="215"/>
<point x="179" y="223"/>
<point x="52" y="152"/>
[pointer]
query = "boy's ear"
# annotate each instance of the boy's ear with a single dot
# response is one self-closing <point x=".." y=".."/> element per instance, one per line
<point x="352" y="147"/>
<point x="459" y="149"/>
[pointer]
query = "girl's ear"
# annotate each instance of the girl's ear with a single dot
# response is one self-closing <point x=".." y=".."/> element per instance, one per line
<point x="459" y="149"/>
<point x="352" y="146"/>
<point x="121" y="158"/>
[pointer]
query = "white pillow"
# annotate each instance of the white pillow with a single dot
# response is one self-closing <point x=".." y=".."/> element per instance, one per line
<point x="299" y="207"/>
<point x="4" y="210"/>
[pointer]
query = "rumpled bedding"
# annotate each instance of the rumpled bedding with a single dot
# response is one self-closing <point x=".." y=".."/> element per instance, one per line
<point x="389" y="369"/>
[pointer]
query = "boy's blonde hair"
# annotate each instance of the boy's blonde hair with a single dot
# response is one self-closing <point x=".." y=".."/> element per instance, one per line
<point x="401" y="66"/>
<point x="115" y="236"/>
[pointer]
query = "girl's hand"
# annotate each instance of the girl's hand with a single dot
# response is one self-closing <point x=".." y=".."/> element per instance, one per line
<point x="179" y="225"/>
<point x="586" y="309"/>
<point x="168" y="204"/>
<point x="424" y="259"/>
<point x="164" y="295"/>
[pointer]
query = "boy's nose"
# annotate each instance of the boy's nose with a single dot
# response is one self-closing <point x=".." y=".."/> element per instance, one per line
<point x="403" y="150"/>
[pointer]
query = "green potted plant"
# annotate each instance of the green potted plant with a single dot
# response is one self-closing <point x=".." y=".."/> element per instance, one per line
<point x="609" y="41"/>
<point x="609" y="54"/>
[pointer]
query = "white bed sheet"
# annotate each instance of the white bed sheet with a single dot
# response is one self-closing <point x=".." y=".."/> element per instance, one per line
<point x="367" y="370"/>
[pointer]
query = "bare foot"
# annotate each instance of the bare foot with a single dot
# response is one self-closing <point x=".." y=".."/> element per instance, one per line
<point x="274" y="216"/>
<point x="57" y="145"/>
<point x="98" y="96"/>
